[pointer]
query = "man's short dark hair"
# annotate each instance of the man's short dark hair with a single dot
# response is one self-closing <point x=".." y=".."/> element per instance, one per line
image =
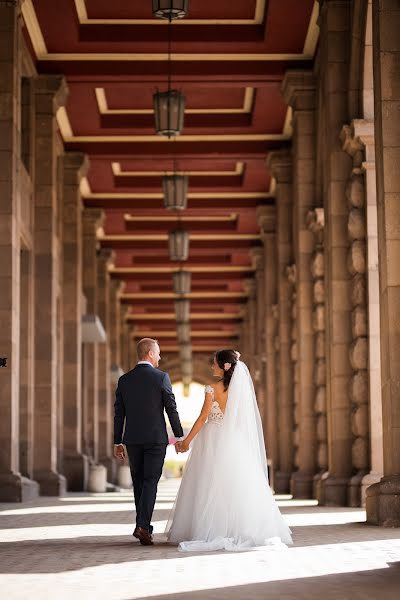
<point x="144" y="346"/>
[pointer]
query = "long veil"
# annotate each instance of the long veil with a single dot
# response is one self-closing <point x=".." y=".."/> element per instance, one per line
<point x="225" y="501"/>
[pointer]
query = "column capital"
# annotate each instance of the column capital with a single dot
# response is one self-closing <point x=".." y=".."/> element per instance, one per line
<point x="298" y="89"/>
<point x="78" y="162"/>
<point x="106" y="257"/>
<point x="266" y="218"/>
<point x="250" y="287"/>
<point x="280" y="164"/>
<point x="54" y="89"/>
<point x="93" y="217"/>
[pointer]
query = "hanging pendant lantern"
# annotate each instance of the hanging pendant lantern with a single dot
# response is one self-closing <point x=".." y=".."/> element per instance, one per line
<point x="182" y="281"/>
<point x="178" y="245"/>
<point x="186" y="388"/>
<point x="169" y="112"/>
<point x="170" y="9"/>
<point x="182" y="311"/>
<point x="175" y="188"/>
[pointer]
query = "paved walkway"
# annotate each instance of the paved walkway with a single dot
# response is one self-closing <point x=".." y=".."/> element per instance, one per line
<point x="80" y="547"/>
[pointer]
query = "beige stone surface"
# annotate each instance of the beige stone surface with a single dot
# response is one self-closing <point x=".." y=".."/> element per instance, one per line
<point x="81" y="546"/>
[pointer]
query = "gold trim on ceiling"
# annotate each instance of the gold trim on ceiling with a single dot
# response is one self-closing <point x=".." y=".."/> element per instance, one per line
<point x="192" y="296"/>
<point x="39" y="45"/>
<point x="158" y="270"/>
<point x="184" y="219"/>
<point x="84" y="19"/>
<point x="161" y="237"/>
<point x="118" y="172"/>
<point x="159" y="195"/>
<point x="193" y="316"/>
<point x="104" y="110"/>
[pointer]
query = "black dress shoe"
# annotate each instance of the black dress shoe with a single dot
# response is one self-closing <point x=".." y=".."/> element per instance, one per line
<point x="144" y="536"/>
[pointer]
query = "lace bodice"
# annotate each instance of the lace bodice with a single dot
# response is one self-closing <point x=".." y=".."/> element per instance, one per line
<point x="216" y="415"/>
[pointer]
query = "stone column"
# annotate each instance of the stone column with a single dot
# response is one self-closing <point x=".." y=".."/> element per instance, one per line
<point x="13" y="487"/>
<point x="383" y="498"/>
<point x="364" y="132"/>
<point x="92" y="219"/>
<point x="251" y="307"/>
<point x="357" y="265"/>
<point x="280" y="166"/>
<point x="115" y="288"/>
<point x="105" y="258"/>
<point x="76" y="464"/>
<point x="257" y="255"/>
<point x="335" y="25"/>
<point x="267" y="220"/>
<point x="316" y="223"/>
<point x="291" y="274"/>
<point x="299" y="92"/>
<point x="124" y="340"/>
<point x="50" y="94"/>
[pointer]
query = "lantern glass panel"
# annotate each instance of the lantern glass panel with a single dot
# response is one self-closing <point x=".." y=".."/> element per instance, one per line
<point x="182" y="282"/>
<point x="178" y="245"/>
<point x="169" y="111"/>
<point x="175" y="188"/>
<point x="170" y="9"/>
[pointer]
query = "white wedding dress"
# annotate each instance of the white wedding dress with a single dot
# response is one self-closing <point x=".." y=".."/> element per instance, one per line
<point x="225" y="501"/>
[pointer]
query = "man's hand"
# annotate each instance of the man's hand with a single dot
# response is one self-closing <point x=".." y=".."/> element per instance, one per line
<point x="119" y="452"/>
<point x="183" y="446"/>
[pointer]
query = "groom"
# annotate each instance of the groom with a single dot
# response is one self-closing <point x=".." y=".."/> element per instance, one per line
<point x="141" y="396"/>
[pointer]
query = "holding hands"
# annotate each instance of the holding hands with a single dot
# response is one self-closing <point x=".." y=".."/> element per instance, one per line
<point x="181" y="446"/>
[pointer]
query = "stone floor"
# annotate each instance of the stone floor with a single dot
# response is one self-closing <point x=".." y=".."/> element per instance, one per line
<point x="81" y="547"/>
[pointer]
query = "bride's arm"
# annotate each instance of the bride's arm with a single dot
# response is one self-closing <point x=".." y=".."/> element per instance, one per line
<point x="199" y="423"/>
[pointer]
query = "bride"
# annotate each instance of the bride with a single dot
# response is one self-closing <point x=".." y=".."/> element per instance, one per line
<point x="224" y="501"/>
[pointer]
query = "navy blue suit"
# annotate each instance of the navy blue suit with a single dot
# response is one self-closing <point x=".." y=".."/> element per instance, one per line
<point x="141" y="397"/>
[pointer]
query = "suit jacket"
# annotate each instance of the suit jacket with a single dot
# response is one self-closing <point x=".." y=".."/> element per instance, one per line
<point x="141" y="397"/>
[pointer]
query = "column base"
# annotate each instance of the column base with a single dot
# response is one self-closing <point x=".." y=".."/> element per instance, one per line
<point x="316" y="484"/>
<point x="354" y="490"/>
<point x="16" y="488"/>
<point x="369" y="479"/>
<point x="124" y="477"/>
<point x="110" y="465"/>
<point x="333" y="491"/>
<point x="301" y="485"/>
<point x="282" y="482"/>
<point x="76" y="471"/>
<point x="383" y="502"/>
<point x="51" y="483"/>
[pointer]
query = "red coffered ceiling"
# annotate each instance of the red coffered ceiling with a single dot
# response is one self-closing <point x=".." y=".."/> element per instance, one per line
<point x="229" y="58"/>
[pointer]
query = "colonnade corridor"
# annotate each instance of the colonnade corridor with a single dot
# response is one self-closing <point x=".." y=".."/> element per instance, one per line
<point x="81" y="546"/>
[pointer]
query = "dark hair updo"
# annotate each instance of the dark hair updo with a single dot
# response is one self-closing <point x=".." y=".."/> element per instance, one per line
<point x="227" y="356"/>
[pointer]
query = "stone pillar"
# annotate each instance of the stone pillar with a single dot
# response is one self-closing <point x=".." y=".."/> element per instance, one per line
<point x="335" y="26"/>
<point x="291" y="274"/>
<point x="50" y="94"/>
<point x="315" y="222"/>
<point x="257" y="255"/>
<point x="105" y="258"/>
<point x="115" y="288"/>
<point x="92" y="219"/>
<point x="267" y="220"/>
<point x="76" y="464"/>
<point x="13" y="487"/>
<point x="383" y="498"/>
<point x="250" y="289"/>
<point x="280" y="166"/>
<point x="357" y="265"/>
<point x="299" y="92"/>
<point x="364" y="132"/>
<point x="126" y="362"/>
